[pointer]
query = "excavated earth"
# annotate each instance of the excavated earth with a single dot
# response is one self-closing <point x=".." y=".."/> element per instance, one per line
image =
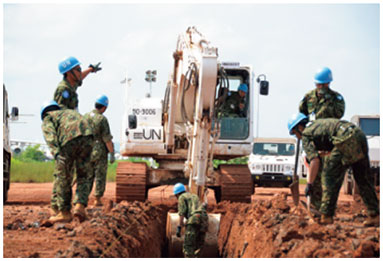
<point x="269" y="227"/>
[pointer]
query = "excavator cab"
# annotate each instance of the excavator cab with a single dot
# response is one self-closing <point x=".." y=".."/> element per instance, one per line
<point x="235" y="121"/>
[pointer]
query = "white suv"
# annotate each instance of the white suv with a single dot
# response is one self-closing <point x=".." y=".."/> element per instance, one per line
<point x="272" y="161"/>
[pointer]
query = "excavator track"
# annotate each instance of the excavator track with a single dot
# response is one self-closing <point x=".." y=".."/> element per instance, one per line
<point x="131" y="181"/>
<point x="236" y="183"/>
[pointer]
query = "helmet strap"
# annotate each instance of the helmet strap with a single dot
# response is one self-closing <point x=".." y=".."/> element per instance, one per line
<point x="78" y="81"/>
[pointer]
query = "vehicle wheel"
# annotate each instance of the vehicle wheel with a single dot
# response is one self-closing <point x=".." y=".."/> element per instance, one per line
<point x="5" y="191"/>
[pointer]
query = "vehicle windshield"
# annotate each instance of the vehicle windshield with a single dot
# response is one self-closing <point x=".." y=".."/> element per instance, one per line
<point x="370" y="127"/>
<point x="279" y="149"/>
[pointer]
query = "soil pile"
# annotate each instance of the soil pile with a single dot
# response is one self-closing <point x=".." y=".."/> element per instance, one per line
<point x="267" y="227"/>
<point x="270" y="229"/>
<point x="129" y="230"/>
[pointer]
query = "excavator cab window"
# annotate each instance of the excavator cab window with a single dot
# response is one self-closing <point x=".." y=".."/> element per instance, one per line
<point x="233" y="111"/>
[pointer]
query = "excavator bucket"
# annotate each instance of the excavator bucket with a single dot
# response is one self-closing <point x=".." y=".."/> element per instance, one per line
<point x="175" y="243"/>
<point x="294" y="187"/>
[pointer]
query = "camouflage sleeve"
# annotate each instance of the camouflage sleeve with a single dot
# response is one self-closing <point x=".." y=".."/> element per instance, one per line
<point x="309" y="148"/>
<point x="61" y="96"/>
<point x="50" y="135"/>
<point x="332" y="108"/>
<point x="182" y="206"/>
<point x="105" y="130"/>
<point x="303" y="106"/>
<point x="339" y="106"/>
<point x="65" y="98"/>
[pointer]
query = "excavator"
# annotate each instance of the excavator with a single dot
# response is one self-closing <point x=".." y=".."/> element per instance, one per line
<point x="187" y="129"/>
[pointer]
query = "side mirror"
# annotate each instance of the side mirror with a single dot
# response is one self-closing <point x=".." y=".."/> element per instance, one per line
<point x="263" y="85"/>
<point x="264" y="88"/>
<point x="15" y="114"/>
<point x="132" y="119"/>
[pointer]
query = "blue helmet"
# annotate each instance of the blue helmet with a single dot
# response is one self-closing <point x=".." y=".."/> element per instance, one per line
<point x="295" y="120"/>
<point x="48" y="106"/>
<point x="323" y="75"/>
<point x="178" y="188"/>
<point x="103" y="100"/>
<point x="243" y="87"/>
<point x="68" y="64"/>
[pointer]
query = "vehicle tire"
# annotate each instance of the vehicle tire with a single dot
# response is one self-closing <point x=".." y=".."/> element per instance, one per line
<point x="5" y="191"/>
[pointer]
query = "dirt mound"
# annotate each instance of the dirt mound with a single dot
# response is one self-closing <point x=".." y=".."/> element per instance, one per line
<point x="128" y="230"/>
<point x="265" y="228"/>
<point x="269" y="229"/>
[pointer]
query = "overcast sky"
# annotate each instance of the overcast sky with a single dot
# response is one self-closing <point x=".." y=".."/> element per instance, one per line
<point x="287" y="42"/>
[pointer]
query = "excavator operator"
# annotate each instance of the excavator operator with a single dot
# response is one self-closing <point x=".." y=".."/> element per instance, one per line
<point x="235" y="103"/>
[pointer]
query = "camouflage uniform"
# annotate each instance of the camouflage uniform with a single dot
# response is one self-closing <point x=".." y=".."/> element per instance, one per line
<point x="66" y="96"/>
<point x="70" y="139"/>
<point x="190" y="207"/>
<point x="348" y="146"/>
<point x="331" y="105"/>
<point x="99" y="158"/>
<point x="230" y="108"/>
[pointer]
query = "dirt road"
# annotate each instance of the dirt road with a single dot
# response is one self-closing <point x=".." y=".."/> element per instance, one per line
<point x="40" y="193"/>
<point x="263" y="228"/>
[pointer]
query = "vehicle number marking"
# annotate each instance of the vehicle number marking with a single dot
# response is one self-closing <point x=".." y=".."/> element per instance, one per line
<point x="144" y="111"/>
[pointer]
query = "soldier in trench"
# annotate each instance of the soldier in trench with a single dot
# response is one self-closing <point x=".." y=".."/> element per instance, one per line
<point x="321" y="103"/>
<point x="190" y="207"/>
<point x="70" y="139"/>
<point x="346" y="146"/>
<point x="102" y="145"/>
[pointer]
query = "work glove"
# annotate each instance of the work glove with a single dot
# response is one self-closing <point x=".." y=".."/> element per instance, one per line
<point x="60" y="160"/>
<point x="178" y="234"/>
<point x="95" y="67"/>
<point x="309" y="189"/>
<point x="112" y="159"/>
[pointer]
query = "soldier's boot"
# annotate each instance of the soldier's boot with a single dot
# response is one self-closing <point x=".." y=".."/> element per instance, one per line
<point x="325" y="220"/>
<point x="53" y="211"/>
<point x="98" y="202"/>
<point x="372" y="221"/>
<point x="79" y="212"/>
<point x="62" y="216"/>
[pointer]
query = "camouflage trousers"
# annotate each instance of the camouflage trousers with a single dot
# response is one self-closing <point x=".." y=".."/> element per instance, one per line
<point x="99" y="165"/>
<point x="76" y="153"/>
<point x="333" y="177"/>
<point x="195" y="237"/>
<point x="316" y="198"/>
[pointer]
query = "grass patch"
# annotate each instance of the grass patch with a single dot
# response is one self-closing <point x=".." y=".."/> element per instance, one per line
<point x="41" y="172"/>
<point x="33" y="171"/>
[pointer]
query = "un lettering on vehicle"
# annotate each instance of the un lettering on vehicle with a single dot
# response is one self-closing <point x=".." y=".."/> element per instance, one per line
<point x="150" y="134"/>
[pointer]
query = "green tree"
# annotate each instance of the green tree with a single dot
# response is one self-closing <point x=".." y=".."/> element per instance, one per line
<point x="32" y="153"/>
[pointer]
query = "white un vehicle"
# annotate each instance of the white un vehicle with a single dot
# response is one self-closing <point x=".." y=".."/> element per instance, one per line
<point x="272" y="161"/>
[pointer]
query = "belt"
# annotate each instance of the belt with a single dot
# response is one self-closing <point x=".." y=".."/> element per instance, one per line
<point x="323" y="153"/>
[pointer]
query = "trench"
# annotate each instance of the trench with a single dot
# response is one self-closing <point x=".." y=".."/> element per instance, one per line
<point x="262" y="229"/>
